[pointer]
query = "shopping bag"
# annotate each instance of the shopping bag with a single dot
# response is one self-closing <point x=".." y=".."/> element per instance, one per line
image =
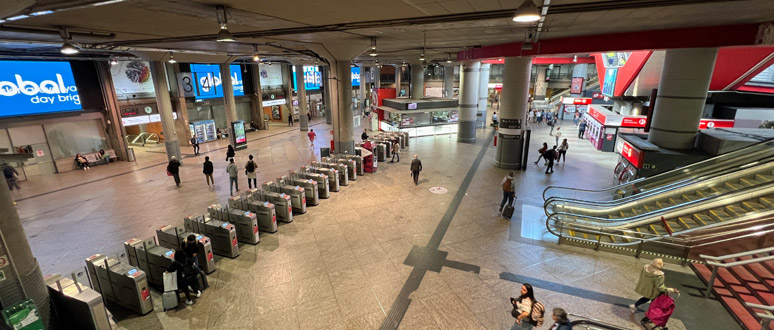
<point x="170" y="281"/>
<point x="169" y="173"/>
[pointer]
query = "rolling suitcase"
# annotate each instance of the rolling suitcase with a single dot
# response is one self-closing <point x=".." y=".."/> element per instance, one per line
<point x="169" y="300"/>
<point x="508" y="210"/>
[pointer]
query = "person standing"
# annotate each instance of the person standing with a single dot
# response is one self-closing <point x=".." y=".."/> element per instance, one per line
<point x="207" y="169"/>
<point x="364" y="136"/>
<point x="186" y="275"/>
<point x="563" y="151"/>
<point x="173" y="169"/>
<point x="250" y="170"/>
<point x="290" y="119"/>
<point x="230" y="152"/>
<point x="576" y="118"/>
<point x="494" y="119"/>
<point x="311" y="135"/>
<point x="395" y="150"/>
<point x="509" y="190"/>
<point x="561" y="322"/>
<point x="542" y="152"/>
<point x="522" y="308"/>
<point x="557" y="135"/>
<point x="416" y="167"/>
<point x="309" y="116"/>
<point x="651" y="283"/>
<point x="195" y="144"/>
<point x="232" y="176"/>
<point x="191" y="248"/>
<point x="581" y="129"/>
<point x="539" y="117"/>
<point x="531" y="116"/>
<point x="10" y="175"/>
<point x="550" y="157"/>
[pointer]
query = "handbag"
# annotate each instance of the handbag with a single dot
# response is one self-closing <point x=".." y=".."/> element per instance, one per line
<point x="169" y="173"/>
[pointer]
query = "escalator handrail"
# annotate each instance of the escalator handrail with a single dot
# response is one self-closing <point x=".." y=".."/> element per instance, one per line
<point x="732" y="155"/>
<point x="737" y="255"/>
<point x="678" y="185"/>
<point x="595" y="322"/>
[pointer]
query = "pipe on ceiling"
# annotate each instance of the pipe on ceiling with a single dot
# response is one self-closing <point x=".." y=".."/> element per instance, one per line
<point x="56" y="33"/>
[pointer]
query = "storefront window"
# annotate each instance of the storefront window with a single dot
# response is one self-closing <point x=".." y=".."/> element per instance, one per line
<point x="69" y="138"/>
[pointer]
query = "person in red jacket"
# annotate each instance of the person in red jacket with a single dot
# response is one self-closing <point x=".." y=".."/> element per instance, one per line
<point x="311" y="135"/>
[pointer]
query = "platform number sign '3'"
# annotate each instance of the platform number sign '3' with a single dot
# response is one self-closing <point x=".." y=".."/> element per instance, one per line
<point x="185" y="84"/>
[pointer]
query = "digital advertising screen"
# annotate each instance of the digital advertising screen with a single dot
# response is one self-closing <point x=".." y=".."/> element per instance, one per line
<point x="208" y="81"/>
<point x="312" y="78"/>
<point x="240" y="139"/>
<point x="37" y="87"/>
<point x="608" y="88"/>
<point x="355" y="76"/>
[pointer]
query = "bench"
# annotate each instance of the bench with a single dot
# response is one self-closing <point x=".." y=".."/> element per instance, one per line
<point x="95" y="159"/>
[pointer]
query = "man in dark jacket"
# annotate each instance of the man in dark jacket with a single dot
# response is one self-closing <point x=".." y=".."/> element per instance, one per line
<point x="550" y="157"/>
<point x="364" y="136"/>
<point x="174" y="168"/>
<point x="207" y="170"/>
<point x="416" y="167"/>
<point x="560" y="320"/>
<point x="581" y="129"/>
<point x="195" y="144"/>
<point x="10" y="174"/>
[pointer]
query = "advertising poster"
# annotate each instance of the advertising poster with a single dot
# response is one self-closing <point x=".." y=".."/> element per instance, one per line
<point x="356" y="76"/>
<point x="271" y="75"/>
<point x="208" y="80"/>
<point x="28" y="88"/>
<point x="132" y="78"/>
<point x="577" y="85"/>
<point x="609" y="86"/>
<point x="240" y="139"/>
<point x="312" y="78"/>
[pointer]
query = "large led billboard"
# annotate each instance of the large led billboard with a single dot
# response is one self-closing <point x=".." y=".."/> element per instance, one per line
<point x="37" y="87"/>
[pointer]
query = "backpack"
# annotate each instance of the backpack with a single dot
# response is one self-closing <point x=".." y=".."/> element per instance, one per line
<point x="538" y="314"/>
<point x="251" y="166"/>
<point x="507" y="185"/>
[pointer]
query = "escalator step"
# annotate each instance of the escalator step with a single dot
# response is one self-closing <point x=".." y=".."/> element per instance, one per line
<point x="735" y="210"/>
<point x="764" y="177"/>
<point x="701" y="219"/>
<point x="733" y="186"/>
<point x="749" y="182"/>
<point x="718" y="214"/>
<point x="724" y="189"/>
<point x="684" y="222"/>
<point x="654" y="230"/>
<point x="752" y="206"/>
<point x="691" y="197"/>
<point x="702" y="194"/>
<point x="612" y="239"/>
<point x="674" y="201"/>
<point x="571" y="232"/>
<point x="768" y="202"/>
<point x="664" y="204"/>
<point x="674" y="226"/>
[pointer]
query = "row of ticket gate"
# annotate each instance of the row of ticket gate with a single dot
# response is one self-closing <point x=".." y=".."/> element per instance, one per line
<point x="125" y="279"/>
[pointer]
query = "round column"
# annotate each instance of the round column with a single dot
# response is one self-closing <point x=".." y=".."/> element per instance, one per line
<point x="417" y="81"/>
<point x="344" y="123"/>
<point x="468" y="102"/>
<point x="362" y="88"/>
<point x="301" y="92"/>
<point x="541" y="86"/>
<point x="513" y="110"/>
<point x="681" y="96"/>
<point x="448" y="80"/>
<point x="164" y="104"/>
<point x="483" y="94"/>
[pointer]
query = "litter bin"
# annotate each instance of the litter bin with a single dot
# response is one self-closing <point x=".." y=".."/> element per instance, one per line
<point x="130" y="155"/>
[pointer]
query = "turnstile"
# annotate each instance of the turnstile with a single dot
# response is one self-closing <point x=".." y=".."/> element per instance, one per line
<point x="358" y="163"/>
<point x="380" y="151"/>
<point x="282" y="203"/>
<point x="311" y="189"/>
<point x="222" y="234"/>
<point x="265" y="212"/>
<point x="323" y="184"/>
<point x="153" y="259"/>
<point x="331" y="173"/>
<point x="342" y="169"/>
<point x="246" y="222"/>
<point x="351" y="167"/>
<point x="172" y="237"/>
<point x="120" y="283"/>
<point x="296" y="193"/>
<point x="77" y="305"/>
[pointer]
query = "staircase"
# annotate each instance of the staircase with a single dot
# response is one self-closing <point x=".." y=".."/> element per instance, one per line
<point x="740" y="280"/>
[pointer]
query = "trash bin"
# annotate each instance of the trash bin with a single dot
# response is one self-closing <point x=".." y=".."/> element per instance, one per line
<point x="130" y="155"/>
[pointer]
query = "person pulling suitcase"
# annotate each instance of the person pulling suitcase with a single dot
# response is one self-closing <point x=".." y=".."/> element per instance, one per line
<point x="508" y="185"/>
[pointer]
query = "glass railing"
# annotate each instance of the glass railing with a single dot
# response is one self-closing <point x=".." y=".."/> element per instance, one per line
<point x="142" y="139"/>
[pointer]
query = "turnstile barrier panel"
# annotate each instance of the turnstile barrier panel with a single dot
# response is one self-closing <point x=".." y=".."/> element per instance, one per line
<point x="77" y="305"/>
<point x="246" y="223"/>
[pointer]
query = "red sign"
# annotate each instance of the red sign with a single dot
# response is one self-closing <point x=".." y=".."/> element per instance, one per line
<point x="633" y="122"/>
<point x="597" y="95"/>
<point x="600" y="117"/>
<point x="716" y="123"/>
<point x="632" y="154"/>
<point x="577" y="85"/>
<point x="576" y="100"/>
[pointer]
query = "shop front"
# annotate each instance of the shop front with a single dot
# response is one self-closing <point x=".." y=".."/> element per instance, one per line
<point x="419" y="117"/>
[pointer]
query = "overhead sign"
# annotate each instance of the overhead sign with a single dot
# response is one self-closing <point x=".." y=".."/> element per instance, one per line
<point x="273" y="102"/>
<point x="608" y="87"/>
<point x="138" y="110"/>
<point x="271" y="75"/>
<point x="598" y="116"/>
<point x="637" y="121"/>
<point x="28" y="88"/>
<point x="355" y="76"/>
<point x="208" y="83"/>
<point x="132" y="77"/>
<point x="597" y="95"/>
<point x="716" y="123"/>
<point x="632" y="154"/>
<point x="147" y="119"/>
<point x="576" y="100"/>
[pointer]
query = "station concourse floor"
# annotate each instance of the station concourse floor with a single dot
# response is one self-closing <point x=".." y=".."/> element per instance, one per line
<point x="345" y="263"/>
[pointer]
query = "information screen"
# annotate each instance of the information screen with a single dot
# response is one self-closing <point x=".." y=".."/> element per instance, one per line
<point x="36" y="87"/>
<point x="608" y="87"/>
<point x="356" y="76"/>
<point x="240" y="139"/>
<point x="208" y="81"/>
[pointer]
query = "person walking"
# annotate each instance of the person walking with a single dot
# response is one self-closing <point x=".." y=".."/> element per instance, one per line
<point x="416" y="167"/>
<point x="531" y="116"/>
<point x="232" y="176"/>
<point x="539" y="117"/>
<point x="561" y="322"/>
<point x="522" y="308"/>
<point x="542" y="152"/>
<point x="311" y="135"/>
<point x="550" y="157"/>
<point x="395" y="150"/>
<point x="651" y="283"/>
<point x="230" y="153"/>
<point x="250" y="170"/>
<point x="494" y="119"/>
<point x="290" y="119"/>
<point x="563" y="151"/>
<point x="581" y="129"/>
<point x="10" y="174"/>
<point x="576" y="118"/>
<point x="186" y="275"/>
<point x="558" y="134"/>
<point x="364" y="136"/>
<point x="195" y="144"/>
<point x="207" y="169"/>
<point x="509" y="190"/>
<point x="173" y="169"/>
<point x="309" y="116"/>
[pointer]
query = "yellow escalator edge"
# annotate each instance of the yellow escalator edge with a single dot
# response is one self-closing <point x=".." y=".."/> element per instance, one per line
<point x="683" y="223"/>
<point x="653" y="229"/>
<point x="697" y="217"/>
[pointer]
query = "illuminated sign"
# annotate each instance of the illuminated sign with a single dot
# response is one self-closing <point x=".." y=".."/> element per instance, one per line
<point x="576" y="100"/>
<point x="209" y="83"/>
<point x="598" y="116"/>
<point x="28" y="88"/>
<point x="576" y="87"/>
<point x="633" y="121"/>
<point x="355" y="76"/>
<point x="632" y="154"/>
<point x="240" y="139"/>
<point x="608" y="87"/>
<point x="716" y="123"/>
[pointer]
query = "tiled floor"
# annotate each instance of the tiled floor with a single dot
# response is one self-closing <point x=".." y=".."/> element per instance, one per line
<point x="341" y="265"/>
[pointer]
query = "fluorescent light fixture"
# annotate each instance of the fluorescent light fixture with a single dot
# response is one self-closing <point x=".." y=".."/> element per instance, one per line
<point x="2" y="21"/>
<point x="68" y="48"/>
<point x="41" y="13"/>
<point x="527" y="12"/>
<point x="108" y="2"/>
<point x="224" y="35"/>
<point x="16" y="18"/>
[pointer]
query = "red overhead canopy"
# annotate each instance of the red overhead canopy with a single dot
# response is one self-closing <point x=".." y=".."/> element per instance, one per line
<point x="737" y="65"/>
<point x="626" y="74"/>
<point x="549" y="60"/>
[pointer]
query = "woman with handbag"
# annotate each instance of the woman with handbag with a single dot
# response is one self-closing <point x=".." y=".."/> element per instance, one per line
<point x="522" y="308"/>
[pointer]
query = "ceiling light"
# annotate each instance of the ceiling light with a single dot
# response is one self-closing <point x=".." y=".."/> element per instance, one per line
<point x="527" y="12"/>
<point x="41" y="13"/>
<point x="2" y="21"/>
<point x="448" y="58"/>
<point x="15" y="18"/>
<point x="256" y="58"/>
<point x="224" y="35"/>
<point x="373" y="43"/>
<point x="68" y="48"/>
<point x="575" y="59"/>
<point x="171" y="58"/>
<point x="113" y="61"/>
<point x="108" y="2"/>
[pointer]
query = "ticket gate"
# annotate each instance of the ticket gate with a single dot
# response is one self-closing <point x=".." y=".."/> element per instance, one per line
<point x="172" y="237"/>
<point x="323" y="184"/>
<point x="387" y="146"/>
<point x="282" y="203"/>
<point x="311" y="189"/>
<point x="221" y="233"/>
<point x="380" y="151"/>
<point x="77" y="305"/>
<point x="358" y="163"/>
<point x="340" y="168"/>
<point x="120" y="283"/>
<point x="351" y="167"/>
<point x="153" y="259"/>
<point x="266" y="214"/>
<point x="246" y="225"/>
<point x="331" y="173"/>
<point x="296" y="193"/>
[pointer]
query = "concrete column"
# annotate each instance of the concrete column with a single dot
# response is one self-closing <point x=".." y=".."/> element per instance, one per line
<point x="377" y="77"/>
<point x="417" y="81"/>
<point x="448" y="80"/>
<point x="164" y="104"/>
<point x="229" y="104"/>
<point x="580" y="71"/>
<point x="398" y="72"/>
<point x="363" y="83"/>
<point x="468" y="103"/>
<point x="681" y="96"/>
<point x="115" y="129"/>
<point x="326" y="94"/>
<point x="256" y="100"/>
<point x="513" y="111"/>
<point x="343" y="122"/>
<point x="540" y="83"/>
<point x="178" y="104"/>
<point x="301" y="92"/>
<point x="287" y="73"/>
<point x="483" y="95"/>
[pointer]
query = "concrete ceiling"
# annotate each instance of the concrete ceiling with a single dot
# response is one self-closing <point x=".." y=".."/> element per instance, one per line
<point x="284" y="28"/>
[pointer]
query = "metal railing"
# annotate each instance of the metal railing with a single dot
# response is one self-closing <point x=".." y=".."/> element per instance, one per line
<point x="587" y="323"/>
<point x="718" y="262"/>
<point x="143" y="138"/>
<point x="766" y="317"/>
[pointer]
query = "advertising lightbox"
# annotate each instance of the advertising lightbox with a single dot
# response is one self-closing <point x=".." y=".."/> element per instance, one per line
<point x="37" y="87"/>
<point x="240" y="139"/>
<point x="608" y="87"/>
<point x="356" y="76"/>
<point x="208" y="80"/>
<point x="132" y="78"/>
<point x="312" y="78"/>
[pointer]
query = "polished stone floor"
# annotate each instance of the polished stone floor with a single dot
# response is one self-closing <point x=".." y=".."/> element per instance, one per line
<point x="381" y="251"/>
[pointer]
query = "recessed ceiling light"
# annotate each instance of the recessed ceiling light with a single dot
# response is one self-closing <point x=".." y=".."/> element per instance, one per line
<point x="527" y="12"/>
